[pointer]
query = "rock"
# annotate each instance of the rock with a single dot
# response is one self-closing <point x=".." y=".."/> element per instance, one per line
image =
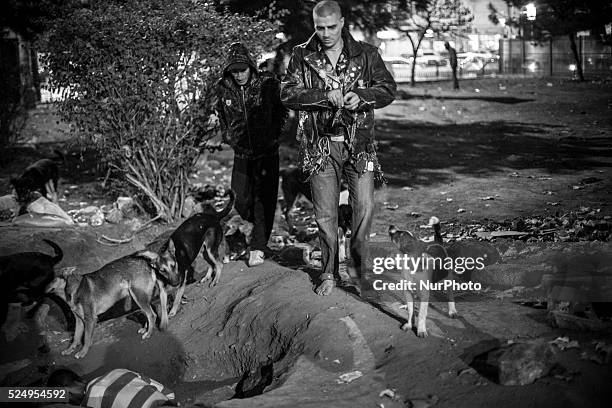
<point x="516" y="363"/>
<point x="9" y="207"/>
<point x="564" y="343"/>
<point x="125" y="204"/>
<point x="114" y="216"/>
<point x="348" y="377"/>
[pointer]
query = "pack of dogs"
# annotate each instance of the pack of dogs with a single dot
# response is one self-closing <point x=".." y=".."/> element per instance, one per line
<point x="166" y="264"/>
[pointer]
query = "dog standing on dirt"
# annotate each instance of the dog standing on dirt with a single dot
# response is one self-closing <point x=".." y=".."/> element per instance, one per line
<point x="41" y="176"/>
<point x="133" y="276"/>
<point x="24" y="276"/>
<point x="484" y="254"/>
<point x="409" y="245"/>
<point x="200" y="233"/>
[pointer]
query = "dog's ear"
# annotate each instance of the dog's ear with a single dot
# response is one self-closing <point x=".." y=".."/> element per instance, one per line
<point x="150" y="256"/>
<point x="57" y="285"/>
<point x="171" y="247"/>
<point x="67" y="271"/>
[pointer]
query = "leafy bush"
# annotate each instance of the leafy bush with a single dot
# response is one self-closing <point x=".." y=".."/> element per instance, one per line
<point x="138" y="75"/>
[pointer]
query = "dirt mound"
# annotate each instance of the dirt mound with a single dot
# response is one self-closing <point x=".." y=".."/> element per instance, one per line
<point x="261" y="329"/>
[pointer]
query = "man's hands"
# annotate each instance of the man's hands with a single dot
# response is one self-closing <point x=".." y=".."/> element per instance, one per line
<point x="336" y="98"/>
<point x="349" y="101"/>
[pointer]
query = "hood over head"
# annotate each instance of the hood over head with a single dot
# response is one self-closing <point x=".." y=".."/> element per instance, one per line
<point x="238" y="56"/>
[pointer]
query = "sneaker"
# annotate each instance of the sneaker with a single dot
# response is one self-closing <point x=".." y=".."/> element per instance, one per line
<point x="256" y="258"/>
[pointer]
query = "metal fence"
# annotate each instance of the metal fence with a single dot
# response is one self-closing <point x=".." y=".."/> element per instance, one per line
<point x="421" y="74"/>
<point x="554" y="58"/>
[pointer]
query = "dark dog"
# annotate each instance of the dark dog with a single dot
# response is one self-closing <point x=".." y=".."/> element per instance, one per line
<point x="293" y="185"/>
<point x="24" y="276"/>
<point x="200" y="233"/>
<point x="134" y="275"/>
<point x="40" y="177"/>
<point x="236" y="244"/>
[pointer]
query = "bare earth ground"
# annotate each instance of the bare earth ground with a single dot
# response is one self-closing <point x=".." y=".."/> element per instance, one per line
<point x="526" y="143"/>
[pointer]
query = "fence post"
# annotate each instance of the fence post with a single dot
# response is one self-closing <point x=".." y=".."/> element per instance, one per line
<point x="523" y="55"/>
<point x="500" y="62"/>
<point x="550" y="55"/>
<point x="510" y="56"/>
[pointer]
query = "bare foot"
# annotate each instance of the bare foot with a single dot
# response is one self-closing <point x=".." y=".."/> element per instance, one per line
<point x="325" y="288"/>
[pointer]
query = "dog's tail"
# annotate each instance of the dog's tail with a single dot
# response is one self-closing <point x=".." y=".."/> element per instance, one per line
<point x="59" y="254"/>
<point x="435" y="223"/>
<point x="223" y="213"/>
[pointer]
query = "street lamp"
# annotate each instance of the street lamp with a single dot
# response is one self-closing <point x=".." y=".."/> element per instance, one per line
<point x="530" y="11"/>
<point x="502" y="22"/>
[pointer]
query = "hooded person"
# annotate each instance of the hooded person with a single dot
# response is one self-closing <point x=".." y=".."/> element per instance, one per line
<point x="251" y="117"/>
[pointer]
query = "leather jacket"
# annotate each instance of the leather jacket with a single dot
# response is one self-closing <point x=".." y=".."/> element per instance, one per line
<point x="304" y="88"/>
<point x="251" y="116"/>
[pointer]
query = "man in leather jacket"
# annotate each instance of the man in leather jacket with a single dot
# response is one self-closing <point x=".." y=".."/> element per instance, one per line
<point x="336" y="83"/>
<point x="251" y="116"/>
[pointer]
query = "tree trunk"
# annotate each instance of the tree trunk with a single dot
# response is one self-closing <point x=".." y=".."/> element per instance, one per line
<point x="414" y="54"/>
<point x="577" y="57"/>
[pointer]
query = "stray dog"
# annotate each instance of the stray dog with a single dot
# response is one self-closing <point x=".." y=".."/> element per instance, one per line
<point x="200" y="233"/>
<point x="415" y="248"/>
<point x="438" y="249"/>
<point x="293" y="185"/>
<point x="24" y="276"/>
<point x="236" y="244"/>
<point x="40" y="177"/>
<point x="89" y="295"/>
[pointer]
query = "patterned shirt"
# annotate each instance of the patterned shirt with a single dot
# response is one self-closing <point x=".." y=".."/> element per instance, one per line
<point x="335" y="79"/>
<point x="123" y="388"/>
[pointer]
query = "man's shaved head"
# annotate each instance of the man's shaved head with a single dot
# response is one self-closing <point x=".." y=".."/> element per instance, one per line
<point x="327" y="8"/>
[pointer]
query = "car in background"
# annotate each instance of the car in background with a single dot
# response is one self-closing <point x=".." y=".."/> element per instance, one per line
<point x="474" y="61"/>
<point x="432" y="61"/>
<point x="399" y="67"/>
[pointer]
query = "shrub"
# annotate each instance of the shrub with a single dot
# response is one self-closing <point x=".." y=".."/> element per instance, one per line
<point x="138" y="75"/>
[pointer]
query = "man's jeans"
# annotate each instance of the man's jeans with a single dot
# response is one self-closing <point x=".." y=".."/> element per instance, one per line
<point x="325" y="187"/>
